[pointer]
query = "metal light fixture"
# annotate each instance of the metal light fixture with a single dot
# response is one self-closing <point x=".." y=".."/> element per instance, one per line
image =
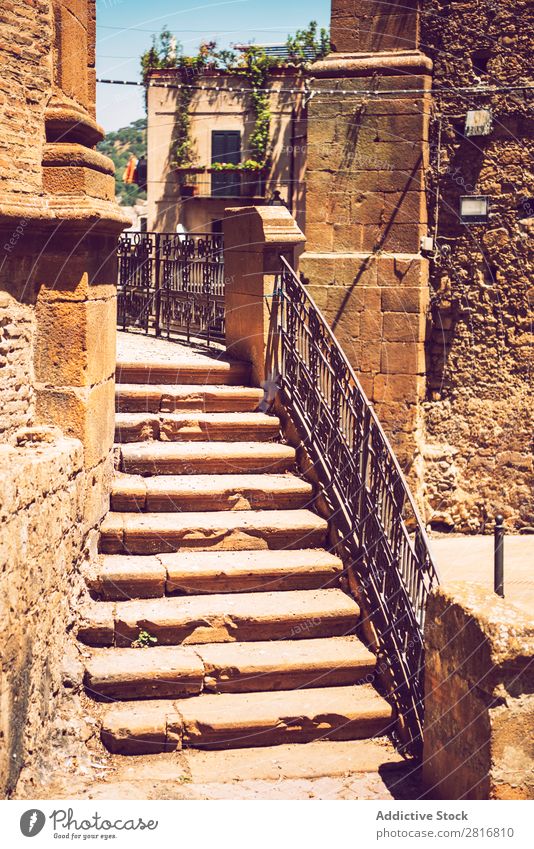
<point x="474" y="209"/>
<point x="478" y="122"/>
<point x="276" y="199"/>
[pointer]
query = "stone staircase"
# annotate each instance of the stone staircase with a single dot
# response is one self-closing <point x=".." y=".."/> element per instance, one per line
<point x="219" y="619"/>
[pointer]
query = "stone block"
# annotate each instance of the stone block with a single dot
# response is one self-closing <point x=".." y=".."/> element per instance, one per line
<point x="404" y="327"/>
<point x="320" y="237"/>
<point x="392" y="237"/>
<point x="73" y="180"/>
<point x="75" y="342"/>
<point x="408" y="299"/>
<point x="389" y="388"/>
<point x="393" y="271"/>
<point x="87" y="414"/>
<point x="402" y="358"/>
<point x="72" y="56"/>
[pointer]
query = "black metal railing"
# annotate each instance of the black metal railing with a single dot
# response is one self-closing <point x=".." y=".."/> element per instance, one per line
<point x="170" y="283"/>
<point x="372" y="508"/>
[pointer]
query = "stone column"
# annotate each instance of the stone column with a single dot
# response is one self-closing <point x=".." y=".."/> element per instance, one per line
<point x="365" y="208"/>
<point x="59" y="225"/>
<point x="254" y="239"/>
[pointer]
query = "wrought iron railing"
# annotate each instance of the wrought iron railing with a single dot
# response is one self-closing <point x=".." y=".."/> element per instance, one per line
<point x="372" y="508"/>
<point x="170" y="283"/>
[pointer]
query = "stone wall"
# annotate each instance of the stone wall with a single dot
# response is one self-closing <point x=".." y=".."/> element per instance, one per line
<point x="58" y="234"/>
<point x="17" y="325"/>
<point x="479" y="696"/>
<point x="439" y="340"/>
<point x="477" y="421"/>
<point x="41" y="541"/>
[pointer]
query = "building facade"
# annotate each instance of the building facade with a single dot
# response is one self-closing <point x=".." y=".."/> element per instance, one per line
<point x="221" y="121"/>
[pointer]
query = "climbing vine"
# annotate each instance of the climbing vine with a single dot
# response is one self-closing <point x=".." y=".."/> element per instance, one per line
<point x="254" y="64"/>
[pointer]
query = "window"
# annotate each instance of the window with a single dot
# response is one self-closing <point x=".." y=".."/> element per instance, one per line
<point x="226" y="147"/>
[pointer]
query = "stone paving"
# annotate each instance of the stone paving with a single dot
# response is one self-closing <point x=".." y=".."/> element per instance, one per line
<point x="470" y="558"/>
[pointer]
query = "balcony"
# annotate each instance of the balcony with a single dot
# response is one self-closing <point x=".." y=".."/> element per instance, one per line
<point x="208" y="182"/>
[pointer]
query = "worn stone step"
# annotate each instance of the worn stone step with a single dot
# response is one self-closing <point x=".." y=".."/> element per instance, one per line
<point x="237" y="720"/>
<point x="144" y="673"/>
<point x="226" y="372"/>
<point x="195" y="427"/>
<point x="198" y="458"/>
<point x="284" y="664"/>
<point x="249" y="571"/>
<point x="176" y="671"/>
<point x="176" y="620"/>
<point x="153" y="533"/>
<point x="122" y="576"/>
<point x="139" y="398"/>
<point x="209" y="492"/>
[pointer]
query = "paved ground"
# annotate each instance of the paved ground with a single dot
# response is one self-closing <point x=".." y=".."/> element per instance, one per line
<point x="470" y="558"/>
<point x="358" y="769"/>
<point x="136" y="347"/>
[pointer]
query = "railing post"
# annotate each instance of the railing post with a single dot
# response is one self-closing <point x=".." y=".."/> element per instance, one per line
<point x="157" y="290"/>
<point x="498" y="564"/>
<point x="254" y="239"/>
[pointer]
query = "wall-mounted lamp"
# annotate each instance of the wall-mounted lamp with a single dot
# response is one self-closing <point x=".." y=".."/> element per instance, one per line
<point x="478" y="122"/>
<point x="474" y="209"/>
<point x="276" y="199"/>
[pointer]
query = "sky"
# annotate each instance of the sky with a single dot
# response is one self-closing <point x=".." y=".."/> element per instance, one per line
<point x="125" y="27"/>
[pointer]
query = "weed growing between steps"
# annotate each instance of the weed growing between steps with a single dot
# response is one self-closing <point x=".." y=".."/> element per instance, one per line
<point x="144" y="641"/>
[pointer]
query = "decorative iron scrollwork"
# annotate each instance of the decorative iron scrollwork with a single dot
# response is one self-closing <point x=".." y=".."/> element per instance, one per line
<point x="172" y="283"/>
<point x="371" y="504"/>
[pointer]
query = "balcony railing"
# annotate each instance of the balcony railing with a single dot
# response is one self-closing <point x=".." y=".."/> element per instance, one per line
<point x="171" y="284"/>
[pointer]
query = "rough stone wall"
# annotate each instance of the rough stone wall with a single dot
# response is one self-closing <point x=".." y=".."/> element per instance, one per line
<point x="17" y="326"/>
<point x="479" y="696"/>
<point x="25" y="82"/>
<point x="477" y="458"/>
<point x="58" y="231"/>
<point x="41" y="534"/>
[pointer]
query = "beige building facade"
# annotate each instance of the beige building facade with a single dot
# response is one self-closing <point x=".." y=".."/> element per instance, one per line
<point x="221" y="123"/>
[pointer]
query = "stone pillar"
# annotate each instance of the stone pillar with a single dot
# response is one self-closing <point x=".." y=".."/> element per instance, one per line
<point x="479" y="702"/>
<point x="59" y="225"/>
<point x="254" y="239"/>
<point x="365" y="207"/>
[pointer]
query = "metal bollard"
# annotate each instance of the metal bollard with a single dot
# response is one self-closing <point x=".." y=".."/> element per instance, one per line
<point x="498" y="559"/>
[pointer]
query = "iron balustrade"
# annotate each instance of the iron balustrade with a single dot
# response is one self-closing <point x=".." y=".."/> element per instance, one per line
<point x="171" y="283"/>
<point x="372" y="507"/>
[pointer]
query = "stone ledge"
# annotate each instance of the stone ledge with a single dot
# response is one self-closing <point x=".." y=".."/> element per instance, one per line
<point x="403" y="62"/>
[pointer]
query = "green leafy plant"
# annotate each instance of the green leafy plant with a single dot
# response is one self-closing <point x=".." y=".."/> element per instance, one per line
<point x="144" y="641"/>
<point x="308" y="45"/>
<point x="254" y="64"/>
<point x="247" y="165"/>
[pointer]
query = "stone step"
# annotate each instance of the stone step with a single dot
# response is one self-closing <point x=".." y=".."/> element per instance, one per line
<point x="195" y="427"/>
<point x="153" y="533"/>
<point x="249" y="571"/>
<point x="139" y="398"/>
<point x="237" y="720"/>
<point x="209" y="492"/>
<point x="121" y="576"/>
<point x="222" y="372"/>
<point x="284" y="664"/>
<point x="199" y="458"/>
<point x="144" y="673"/>
<point x="171" y="671"/>
<point x="176" y="620"/>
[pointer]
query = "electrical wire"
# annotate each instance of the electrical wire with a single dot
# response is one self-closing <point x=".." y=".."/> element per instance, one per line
<point x="485" y="91"/>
